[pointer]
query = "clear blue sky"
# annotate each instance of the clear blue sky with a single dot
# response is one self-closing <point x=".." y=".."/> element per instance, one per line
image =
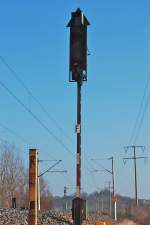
<point x="34" y="41"/>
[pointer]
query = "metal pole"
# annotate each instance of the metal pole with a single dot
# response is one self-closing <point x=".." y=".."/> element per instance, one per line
<point x="109" y="188"/>
<point x="114" y="201"/>
<point x="98" y="202"/>
<point x="110" y="198"/>
<point x="102" y="201"/>
<point x="110" y="202"/>
<point x="66" y="205"/>
<point x="78" y="168"/>
<point x="136" y="196"/>
<point x="96" y="205"/>
<point x="38" y="187"/>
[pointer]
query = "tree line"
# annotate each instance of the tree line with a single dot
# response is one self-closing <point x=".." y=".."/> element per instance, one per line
<point x="14" y="180"/>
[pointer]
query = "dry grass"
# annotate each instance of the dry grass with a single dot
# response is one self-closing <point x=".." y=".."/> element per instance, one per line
<point x="127" y="222"/>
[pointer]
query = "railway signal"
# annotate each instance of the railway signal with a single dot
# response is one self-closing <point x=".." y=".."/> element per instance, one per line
<point x="65" y="200"/>
<point x="65" y="196"/>
<point x="78" y="73"/>
<point x="78" y="46"/>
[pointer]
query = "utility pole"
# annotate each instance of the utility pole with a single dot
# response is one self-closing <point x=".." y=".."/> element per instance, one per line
<point x="43" y="173"/>
<point x="65" y="198"/>
<point x="38" y="187"/>
<point x="99" y="201"/>
<point x="133" y="147"/>
<point x="96" y="204"/>
<point x="114" y="185"/>
<point x="109" y="188"/>
<point x="102" y="201"/>
<point x="112" y="172"/>
<point x="78" y="73"/>
<point x="33" y="187"/>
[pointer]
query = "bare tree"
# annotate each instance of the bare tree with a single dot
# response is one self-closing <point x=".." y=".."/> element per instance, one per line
<point x="12" y="174"/>
<point x="14" y="179"/>
<point x="46" y="196"/>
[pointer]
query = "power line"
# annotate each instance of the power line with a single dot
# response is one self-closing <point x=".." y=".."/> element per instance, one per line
<point x="16" y="76"/>
<point x="24" y="140"/>
<point x="141" y="113"/>
<point x="15" y="134"/>
<point x="36" y="118"/>
<point x="142" y="118"/>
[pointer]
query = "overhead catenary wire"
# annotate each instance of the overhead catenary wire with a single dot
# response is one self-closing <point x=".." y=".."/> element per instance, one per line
<point x="21" y="138"/>
<point x="109" y="171"/>
<point x="49" y="169"/>
<point x="29" y="92"/>
<point x="70" y="180"/>
<point x="103" y="169"/>
<point x="28" y="143"/>
<point x="14" y="133"/>
<point x="36" y="118"/>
